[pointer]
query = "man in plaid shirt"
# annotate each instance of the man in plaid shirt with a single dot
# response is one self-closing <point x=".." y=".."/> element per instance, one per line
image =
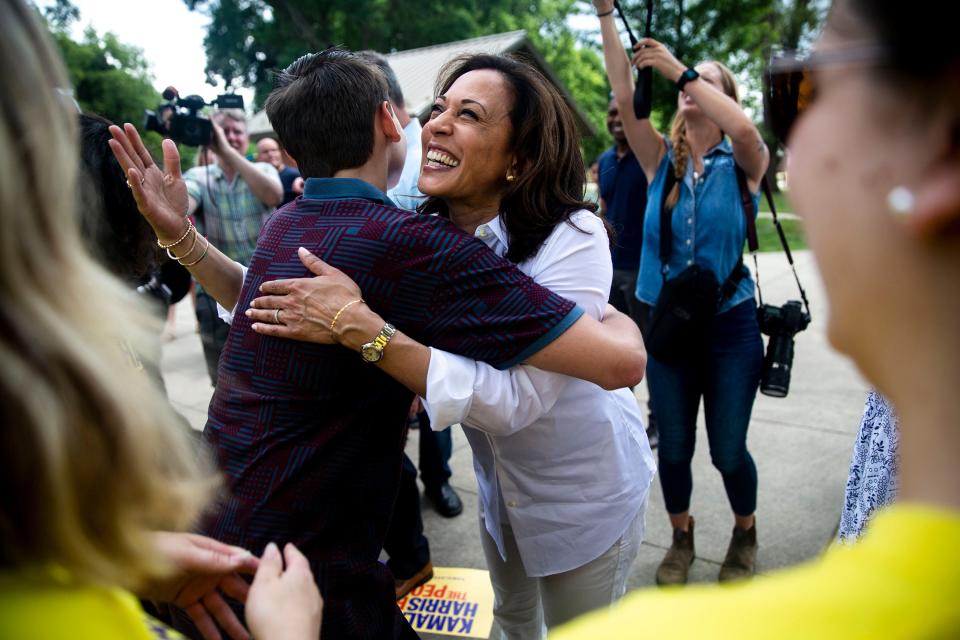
<point x="230" y="200"/>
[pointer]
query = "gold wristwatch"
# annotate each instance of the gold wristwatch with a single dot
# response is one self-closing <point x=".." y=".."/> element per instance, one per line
<point x="373" y="350"/>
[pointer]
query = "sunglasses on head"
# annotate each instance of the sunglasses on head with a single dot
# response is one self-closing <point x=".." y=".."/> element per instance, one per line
<point x="789" y="85"/>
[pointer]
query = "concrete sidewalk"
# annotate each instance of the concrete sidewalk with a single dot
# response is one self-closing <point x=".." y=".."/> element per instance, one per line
<point x="802" y="446"/>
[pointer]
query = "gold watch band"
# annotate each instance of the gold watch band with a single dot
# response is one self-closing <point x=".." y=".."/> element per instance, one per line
<point x="373" y="350"/>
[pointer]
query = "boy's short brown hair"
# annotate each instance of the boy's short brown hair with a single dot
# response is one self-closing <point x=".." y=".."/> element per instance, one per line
<point x="322" y="108"/>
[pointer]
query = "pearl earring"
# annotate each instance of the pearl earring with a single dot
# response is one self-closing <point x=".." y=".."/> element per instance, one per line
<point x="511" y="177"/>
<point x="900" y="201"/>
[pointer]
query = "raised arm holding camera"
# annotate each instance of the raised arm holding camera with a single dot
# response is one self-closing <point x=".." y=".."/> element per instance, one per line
<point x="230" y="201"/>
<point x="697" y="174"/>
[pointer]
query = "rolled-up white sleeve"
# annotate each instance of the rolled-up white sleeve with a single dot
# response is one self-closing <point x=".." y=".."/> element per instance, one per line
<point x="225" y="315"/>
<point x="498" y="402"/>
<point x="450" y="388"/>
<point x="574" y="263"/>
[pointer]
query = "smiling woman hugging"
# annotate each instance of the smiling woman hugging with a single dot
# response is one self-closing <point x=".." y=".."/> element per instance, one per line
<point x="563" y="466"/>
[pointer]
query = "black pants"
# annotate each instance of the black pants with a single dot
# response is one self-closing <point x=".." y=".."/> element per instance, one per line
<point x="213" y="333"/>
<point x="623" y="297"/>
<point x="405" y="543"/>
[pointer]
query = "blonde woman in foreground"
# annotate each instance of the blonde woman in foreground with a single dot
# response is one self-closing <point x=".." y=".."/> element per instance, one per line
<point x="93" y="461"/>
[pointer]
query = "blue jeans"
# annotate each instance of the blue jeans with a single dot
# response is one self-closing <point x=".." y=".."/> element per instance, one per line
<point x="726" y="375"/>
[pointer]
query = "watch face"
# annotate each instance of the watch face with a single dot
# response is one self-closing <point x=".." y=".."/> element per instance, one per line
<point x="370" y="353"/>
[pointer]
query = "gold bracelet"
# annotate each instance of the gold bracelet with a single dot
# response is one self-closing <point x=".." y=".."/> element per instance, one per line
<point x="182" y="238"/>
<point x="196" y="235"/>
<point x="342" y="309"/>
<point x="202" y="255"/>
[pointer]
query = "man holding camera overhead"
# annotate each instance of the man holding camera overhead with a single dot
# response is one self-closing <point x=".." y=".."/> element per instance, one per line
<point x="229" y="200"/>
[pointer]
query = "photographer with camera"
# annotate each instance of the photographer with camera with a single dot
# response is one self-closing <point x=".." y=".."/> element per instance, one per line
<point x="703" y="339"/>
<point x="230" y="201"/>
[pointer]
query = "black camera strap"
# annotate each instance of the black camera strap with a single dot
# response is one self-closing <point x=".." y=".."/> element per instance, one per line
<point x="642" y="94"/>
<point x="666" y="240"/>
<point x="752" y="242"/>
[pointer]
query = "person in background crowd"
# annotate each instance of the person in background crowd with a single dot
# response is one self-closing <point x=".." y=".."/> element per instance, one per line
<point x="269" y="151"/>
<point x="623" y="192"/>
<point x="709" y="230"/>
<point x="404" y="193"/>
<point x="874" y="479"/>
<point x="94" y="460"/>
<point x="592" y="189"/>
<point x="229" y="201"/>
<point x="117" y="236"/>
<point x="884" y="226"/>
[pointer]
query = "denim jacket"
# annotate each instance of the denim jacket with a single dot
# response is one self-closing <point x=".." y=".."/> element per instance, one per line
<point x="709" y="225"/>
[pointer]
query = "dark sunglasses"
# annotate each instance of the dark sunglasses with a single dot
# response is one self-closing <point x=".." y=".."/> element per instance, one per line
<point x="789" y="85"/>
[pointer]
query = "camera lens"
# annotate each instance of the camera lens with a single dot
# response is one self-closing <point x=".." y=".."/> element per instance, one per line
<point x="775" y="380"/>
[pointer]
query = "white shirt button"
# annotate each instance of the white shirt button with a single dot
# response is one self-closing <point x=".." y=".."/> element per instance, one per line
<point x="482" y="231"/>
<point x="689" y="220"/>
<point x="689" y="262"/>
<point x="689" y="242"/>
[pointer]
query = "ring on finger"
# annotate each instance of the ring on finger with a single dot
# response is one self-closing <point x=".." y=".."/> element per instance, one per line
<point x="276" y="317"/>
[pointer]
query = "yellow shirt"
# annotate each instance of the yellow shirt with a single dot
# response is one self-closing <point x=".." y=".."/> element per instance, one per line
<point x="58" y="610"/>
<point x="902" y="580"/>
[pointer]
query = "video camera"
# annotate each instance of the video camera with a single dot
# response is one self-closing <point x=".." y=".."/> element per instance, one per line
<point x="179" y="119"/>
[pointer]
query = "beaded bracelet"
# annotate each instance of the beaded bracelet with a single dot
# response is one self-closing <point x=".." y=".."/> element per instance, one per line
<point x="189" y="251"/>
<point x="182" y="238"/>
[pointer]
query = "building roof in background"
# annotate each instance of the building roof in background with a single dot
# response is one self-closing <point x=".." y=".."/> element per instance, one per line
<point x="259" y="126"/>
<point x="417" y="71"/>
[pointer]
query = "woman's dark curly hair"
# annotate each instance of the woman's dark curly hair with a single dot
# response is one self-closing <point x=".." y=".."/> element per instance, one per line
<point x="550" y="173"/>
<point x="113" y="229"/>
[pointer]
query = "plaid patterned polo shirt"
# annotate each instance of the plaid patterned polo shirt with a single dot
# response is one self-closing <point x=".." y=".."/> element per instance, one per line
<point x="232" y="216"/>
<point x="309" y="436"/>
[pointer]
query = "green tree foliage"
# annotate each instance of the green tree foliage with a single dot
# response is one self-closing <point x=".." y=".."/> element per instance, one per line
<point x="248" y="39"/>
<point x="739" y="33"/>
<point x="109" y="77"/>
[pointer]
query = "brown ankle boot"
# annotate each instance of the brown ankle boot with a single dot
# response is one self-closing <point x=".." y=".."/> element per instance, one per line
<point x="741" y="555"/>
<point x="676" y="564"/>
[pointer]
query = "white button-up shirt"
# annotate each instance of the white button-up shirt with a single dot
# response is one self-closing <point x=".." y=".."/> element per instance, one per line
<point x="565" y="462"/>
<point x="406" y="194"/>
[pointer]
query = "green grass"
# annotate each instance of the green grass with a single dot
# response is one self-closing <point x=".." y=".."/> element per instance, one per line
<point x="780" y="199"/>
<point x="767" y="234"/>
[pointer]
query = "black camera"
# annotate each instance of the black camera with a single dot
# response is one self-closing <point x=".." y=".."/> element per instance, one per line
<point x="781" y="324"/>
<point x="155" y="290"/>
<point x="179" y="119"/>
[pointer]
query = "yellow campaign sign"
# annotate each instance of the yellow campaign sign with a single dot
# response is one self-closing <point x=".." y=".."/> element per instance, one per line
<point x="455" y="602"/>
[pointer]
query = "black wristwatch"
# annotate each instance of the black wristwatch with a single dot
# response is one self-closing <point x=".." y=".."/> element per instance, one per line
<point x="685" y="77"/>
